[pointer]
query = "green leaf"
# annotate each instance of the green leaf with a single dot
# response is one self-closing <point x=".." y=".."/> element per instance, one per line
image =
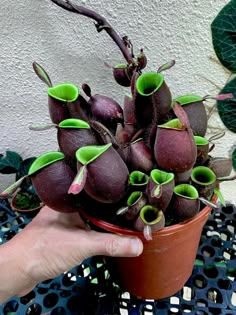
<point x="227" y="108"/>
<point x="42" y="127"/>
<point x="10" y="163"/>
<point x="12" y="189"/>
<point x="24" y="167"/>
<point x="42" y="74"/>
<point x="234" y="159"/>
<point x="26" y="185"/>
<point x="26" y="201"/>
<point x="166" y="66"/>
<point x="220" y="196"/>
<point x="224" y="34"/>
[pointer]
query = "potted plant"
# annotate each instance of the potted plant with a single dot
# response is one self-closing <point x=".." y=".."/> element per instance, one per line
<point x="139" y="169"/>
<point x="25" y="198"/>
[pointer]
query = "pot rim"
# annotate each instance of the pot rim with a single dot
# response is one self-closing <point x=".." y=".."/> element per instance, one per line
<point x="109" y="227"/>
<point x="23" y="210"/>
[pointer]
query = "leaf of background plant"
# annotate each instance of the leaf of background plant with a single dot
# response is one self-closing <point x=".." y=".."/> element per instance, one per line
<point x="227" y="108"/>
<point x="23" y="171"/>
<point x="5" y="205"/>
<point x="224" y="36"/>
<point x="10" y="163"/>
<point x="24" y="167"/>
<point x="234" y="159"/>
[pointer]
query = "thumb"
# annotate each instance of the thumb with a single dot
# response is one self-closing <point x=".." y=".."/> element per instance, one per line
<point x="113" y="245"/>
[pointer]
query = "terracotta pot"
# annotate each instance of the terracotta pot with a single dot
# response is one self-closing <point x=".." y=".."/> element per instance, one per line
<point x="166" y="262"/>
<point x="16" y="208"/>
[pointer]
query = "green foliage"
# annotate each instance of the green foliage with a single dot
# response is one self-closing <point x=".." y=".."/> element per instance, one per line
<point x="10" y="163"/>
<point x="220" y="196"/>
<point x="26" y="201"/>
<point x="42" y="74"/>
<point x="23" y="171"/>
<point x="13" y="163"/>
<point x="26" y="198"/>
<point x="24" y="167"/>
<point x="224" y="36"/>
<point x="227" y="108"/>
<point x="234" y="159"/>
<point x="224" y="42"/>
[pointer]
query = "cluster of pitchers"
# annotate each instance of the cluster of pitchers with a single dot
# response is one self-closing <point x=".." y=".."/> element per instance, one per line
<point x="143" y="161"/>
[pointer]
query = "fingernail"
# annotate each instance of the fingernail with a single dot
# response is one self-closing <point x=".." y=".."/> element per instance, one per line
<point x="136" y="246"/>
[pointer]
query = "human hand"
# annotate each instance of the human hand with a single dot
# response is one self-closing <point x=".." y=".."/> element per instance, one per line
<point x="56" y="242"/>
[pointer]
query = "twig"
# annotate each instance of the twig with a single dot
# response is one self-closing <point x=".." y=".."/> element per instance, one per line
<point x="211" y="111"/>
<point x="210" y="81"/>
<point x="216" y="60"/>
<point x="101" y="24"/>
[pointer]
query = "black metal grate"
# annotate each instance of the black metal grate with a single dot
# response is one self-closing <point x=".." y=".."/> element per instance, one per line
<point x="88" y="289"/>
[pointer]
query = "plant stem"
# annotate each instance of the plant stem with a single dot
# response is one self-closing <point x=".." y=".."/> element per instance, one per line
<point x="101" y="24"/>
<point x="228" y="178"/>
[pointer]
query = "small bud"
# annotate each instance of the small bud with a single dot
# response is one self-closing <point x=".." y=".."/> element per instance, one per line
<point x="142" y="60"/>
<point x="87" y="90"/>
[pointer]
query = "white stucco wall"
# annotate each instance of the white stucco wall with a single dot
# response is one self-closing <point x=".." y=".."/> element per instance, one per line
<point x="70" y="49"/>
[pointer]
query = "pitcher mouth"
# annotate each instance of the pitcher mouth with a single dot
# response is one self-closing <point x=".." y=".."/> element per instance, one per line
<point x="134" y="198"/>
<point x="186" y="191"/>
<point x="203" y="175"/>
<point x="148" y="83"/>
<point x="161" y="177"/>
<point x="138" y="178"/>
<point x="200" y="140"/>
<point x="71" y="123"/>
<point x="172" y="124"/>
<point x="65" y="92"/>
<point x="120" y="66"/>
<point x="187" y="99"/>
<point x="150" y="215"/>
<point x="45" y="160"/>
<point x="89" y="153"/>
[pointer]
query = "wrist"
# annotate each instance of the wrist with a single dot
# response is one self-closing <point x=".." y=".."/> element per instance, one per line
<point x="13" y="278"/>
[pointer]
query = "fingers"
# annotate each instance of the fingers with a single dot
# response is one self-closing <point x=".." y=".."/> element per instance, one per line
<point x="121" y="246"/>
<point x="113" y="245"/>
